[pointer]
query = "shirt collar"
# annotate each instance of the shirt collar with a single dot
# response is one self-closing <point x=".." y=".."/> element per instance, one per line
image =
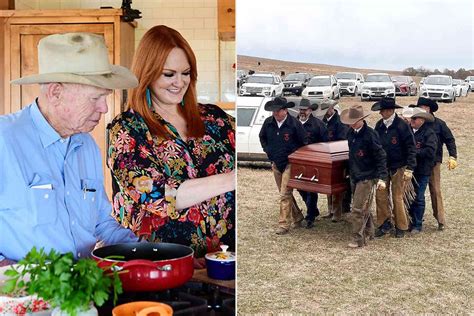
<point x="389" y="121"/>
<point x="47" y="133"/>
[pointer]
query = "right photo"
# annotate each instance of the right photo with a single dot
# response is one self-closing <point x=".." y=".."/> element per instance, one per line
<point x="354" y="176"/>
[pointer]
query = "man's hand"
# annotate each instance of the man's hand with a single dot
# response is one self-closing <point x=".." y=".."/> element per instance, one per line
<point x="452" y="163"/>
<point x="407" y="175"/>
<point x="381" y="185"/>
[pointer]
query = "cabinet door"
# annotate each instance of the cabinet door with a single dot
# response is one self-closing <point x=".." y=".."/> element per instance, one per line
<point x="24" y="61"/>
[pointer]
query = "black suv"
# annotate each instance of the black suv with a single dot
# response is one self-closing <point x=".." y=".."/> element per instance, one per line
<point x="295" y="83"/>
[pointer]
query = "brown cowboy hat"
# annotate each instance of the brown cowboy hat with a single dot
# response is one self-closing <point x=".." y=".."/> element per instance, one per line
<point x="353" y="114"/>
<point x="78" y="58"/>
<point x="277" y="104"/>
<point x="419" y="112"/>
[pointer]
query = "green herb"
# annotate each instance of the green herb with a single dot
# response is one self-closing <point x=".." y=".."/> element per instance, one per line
<point x="61" y="281"/>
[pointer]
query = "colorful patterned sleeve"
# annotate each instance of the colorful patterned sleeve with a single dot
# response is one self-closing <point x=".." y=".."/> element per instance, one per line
<point x="147" y="174"/>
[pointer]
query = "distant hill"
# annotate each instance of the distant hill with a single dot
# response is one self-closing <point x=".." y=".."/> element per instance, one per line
<point x="276" y="66"/>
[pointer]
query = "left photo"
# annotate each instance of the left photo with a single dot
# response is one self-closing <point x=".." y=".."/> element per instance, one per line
<point x="117" y="132"/>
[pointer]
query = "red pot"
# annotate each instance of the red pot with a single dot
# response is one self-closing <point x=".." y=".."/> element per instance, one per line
<point x="148" y="266"/>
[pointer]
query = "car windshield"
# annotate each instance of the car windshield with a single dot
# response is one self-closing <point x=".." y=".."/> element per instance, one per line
<point x="346" y="75"/>
<point x="320" y="82"/>
<point x="441" y="81"/>
<point x="260" y="79"/>
<point x="296" y="77"/>
<point x="378" y="78"/>
<point x="400" y="79"/>
<point x="244" y="116"/>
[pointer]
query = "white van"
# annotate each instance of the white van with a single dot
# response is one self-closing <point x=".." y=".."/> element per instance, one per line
<point x="250" y="117"/>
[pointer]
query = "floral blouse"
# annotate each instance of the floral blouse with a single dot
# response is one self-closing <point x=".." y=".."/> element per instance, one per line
<point x="147" y="171"/>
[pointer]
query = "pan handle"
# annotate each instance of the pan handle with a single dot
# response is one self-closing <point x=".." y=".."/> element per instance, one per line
<point x="146" y="263"/>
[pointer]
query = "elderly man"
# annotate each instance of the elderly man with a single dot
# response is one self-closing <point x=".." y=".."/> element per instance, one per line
<point x="336" y="131"/>
<point x="281" y="135"/>
<point x="425" y="143"/>
<point x="367" y="168"/>
<point x="445" y="137"/>
<point x="316" y="132"/>
<point x="51" y="193"/>
<point x="399" y="145"/>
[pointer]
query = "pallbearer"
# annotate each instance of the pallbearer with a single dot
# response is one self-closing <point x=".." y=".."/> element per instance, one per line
<point x="367" y="166"/>
<point x="399" y="145"/>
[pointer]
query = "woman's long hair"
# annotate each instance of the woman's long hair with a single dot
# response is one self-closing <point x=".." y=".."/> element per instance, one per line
<point x="148" y="63"/>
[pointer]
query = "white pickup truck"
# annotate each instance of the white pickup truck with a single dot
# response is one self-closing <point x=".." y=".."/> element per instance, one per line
<point x="250" y="117"/>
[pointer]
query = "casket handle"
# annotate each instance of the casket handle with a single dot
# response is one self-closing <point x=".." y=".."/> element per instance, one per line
<point x="299" y="176"/>
<point x="313" y="178"/>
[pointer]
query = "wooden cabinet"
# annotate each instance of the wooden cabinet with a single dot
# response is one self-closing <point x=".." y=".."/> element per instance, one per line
<point x="226" y="20"/>
<point x="21" y="31"/>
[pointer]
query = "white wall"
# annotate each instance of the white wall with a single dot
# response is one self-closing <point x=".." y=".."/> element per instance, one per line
<point x="196" y="20"/>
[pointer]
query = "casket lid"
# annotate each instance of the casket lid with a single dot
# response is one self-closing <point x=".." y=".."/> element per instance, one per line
<point x="322" y="152"/>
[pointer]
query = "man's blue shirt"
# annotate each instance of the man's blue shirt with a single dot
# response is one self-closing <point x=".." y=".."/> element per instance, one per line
<point x="51" y="190"/>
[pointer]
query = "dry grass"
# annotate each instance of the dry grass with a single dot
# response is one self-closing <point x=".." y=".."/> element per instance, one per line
<point x="313" y="271"/>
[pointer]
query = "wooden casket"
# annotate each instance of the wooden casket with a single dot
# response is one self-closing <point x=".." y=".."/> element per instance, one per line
<point x="321" y="167"/>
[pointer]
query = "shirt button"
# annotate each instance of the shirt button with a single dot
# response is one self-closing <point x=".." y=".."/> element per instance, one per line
<point x="73" y="222"/>
<point x="46" y="196"/>
<point x="67" y="193"/>
<point x="93" y="198"/>
<point x="78" y="254"/>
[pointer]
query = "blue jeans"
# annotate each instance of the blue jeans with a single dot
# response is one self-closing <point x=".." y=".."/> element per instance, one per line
<point x="417" y="208"/>
<point x="311" y="201"/>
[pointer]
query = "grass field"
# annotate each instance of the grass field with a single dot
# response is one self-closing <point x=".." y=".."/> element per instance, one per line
<point x="313" y="271"/>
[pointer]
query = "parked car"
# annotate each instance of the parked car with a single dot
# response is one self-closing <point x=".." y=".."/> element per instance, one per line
<point x="250" y="117"/>
<point x="296" y="82"/>
<point x="438" y="87"/>
<point x="322" y="87"/>
<point x="377" y="85"/>
<point x="269" y="85"/>
<point x="241" y="77"/>
<point x="461" y="88"/>
<point x="350" y="82"/>
<point x="404" y="85"/>
<point x="470" y="80"/>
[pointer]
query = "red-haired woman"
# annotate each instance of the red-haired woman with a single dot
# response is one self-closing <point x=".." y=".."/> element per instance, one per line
<point x="172" y="159"/>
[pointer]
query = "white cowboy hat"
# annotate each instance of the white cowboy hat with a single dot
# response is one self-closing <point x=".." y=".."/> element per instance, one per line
<point x="78" y="58"/>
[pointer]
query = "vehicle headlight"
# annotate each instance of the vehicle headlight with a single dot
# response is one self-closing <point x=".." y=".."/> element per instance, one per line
<point x="423" y="88"/>
<point x="327" y="91"/>
<point x="448" y="89"/>
<point x="266" y="88"/>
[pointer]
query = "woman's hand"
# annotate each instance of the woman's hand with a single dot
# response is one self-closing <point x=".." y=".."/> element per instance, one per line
<point x="194" y="191"/>
<point x="199" y="263"/>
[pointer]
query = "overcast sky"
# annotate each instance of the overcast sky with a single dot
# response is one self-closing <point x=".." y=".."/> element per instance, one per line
<point x="388" y="34"/>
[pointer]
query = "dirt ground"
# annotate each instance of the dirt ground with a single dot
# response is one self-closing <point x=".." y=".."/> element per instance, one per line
<point x="313" y="270"/>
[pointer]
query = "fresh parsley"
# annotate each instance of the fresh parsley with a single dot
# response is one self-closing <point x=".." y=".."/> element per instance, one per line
<point x="62" y="281"/>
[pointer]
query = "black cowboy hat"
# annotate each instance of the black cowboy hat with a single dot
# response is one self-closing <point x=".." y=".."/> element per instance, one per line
<point x="278" y="103"/>
<point x="427" y="102"/>
<point x="306" y="104"/>
<point x="385" y="104"/>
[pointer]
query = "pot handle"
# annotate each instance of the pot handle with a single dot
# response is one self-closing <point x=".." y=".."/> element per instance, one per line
<point x="146" y="263"/>
<point x="161" y="310"/>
